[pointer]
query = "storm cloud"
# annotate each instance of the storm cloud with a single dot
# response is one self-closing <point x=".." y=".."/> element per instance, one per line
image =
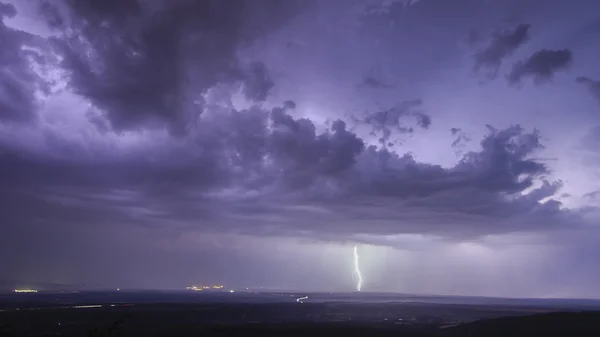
<point x="386" y="123"/>
<point x="147" y="63"/>
<point x="541" y="66"/>
<point x="592" y="86"/>
<point x="503" y="44"/>
<point x="19" y="83"/>
<point x="256" y="164"/>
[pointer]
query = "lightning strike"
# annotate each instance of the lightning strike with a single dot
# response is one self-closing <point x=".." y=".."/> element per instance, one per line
<point x="359" y="279"/>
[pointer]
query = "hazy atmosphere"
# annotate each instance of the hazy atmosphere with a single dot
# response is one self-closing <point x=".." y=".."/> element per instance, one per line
<point x="254" y="143"/>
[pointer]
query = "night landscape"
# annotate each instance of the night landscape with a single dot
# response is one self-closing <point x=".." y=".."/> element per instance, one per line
<point x="299" y="167"/>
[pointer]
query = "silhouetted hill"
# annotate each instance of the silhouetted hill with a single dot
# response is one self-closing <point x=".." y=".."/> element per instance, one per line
<point x="314" y="330"/>
<point x="559" y="324"/>
<point x="74" y="319"/>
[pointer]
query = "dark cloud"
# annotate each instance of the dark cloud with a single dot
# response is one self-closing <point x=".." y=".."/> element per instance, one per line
<point x="503" y="44"/>
<point x="7" y="10"/>
<point x="148" y="63"/>
<point x="303" y="155"/>
<point x="482" y="194"/>
<point x="423" y="120"/>
<point x="258" y="82"/>
<point x="460" y="140"/>
<point x="501" y="166"/>
<point x="386" y="123"/>
<point x="592" y="195"/>
<point x="139" y="64"/>
<point x="374" y="83"/>
<point x="289" y="105"/>
<point x="592" y="85"/>
<point x="264" y="172"/>
<point x="19" y="83"/>
<point x="541" y="66"/>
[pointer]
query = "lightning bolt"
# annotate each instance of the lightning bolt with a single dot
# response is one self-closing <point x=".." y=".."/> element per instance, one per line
<point x="359" y="279"/>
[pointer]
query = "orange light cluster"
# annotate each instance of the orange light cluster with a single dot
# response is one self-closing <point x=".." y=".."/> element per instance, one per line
<point x="200" y="288"/>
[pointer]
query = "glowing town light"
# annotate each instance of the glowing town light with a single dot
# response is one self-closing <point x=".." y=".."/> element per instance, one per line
<point x="87" y="306"/>
<point x="359" y="279"/>
<point x="200" y="288"/>
<point x="300" y="299"/>
<point x="25" y="291"/>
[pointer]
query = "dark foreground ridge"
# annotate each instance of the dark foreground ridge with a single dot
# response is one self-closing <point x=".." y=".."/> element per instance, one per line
<point x="326" y="319"/>
<point x="572" y="324"/>
<point x="561" y="324"/>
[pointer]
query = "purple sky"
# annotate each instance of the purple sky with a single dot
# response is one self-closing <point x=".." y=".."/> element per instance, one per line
<point x="158" y="144"/>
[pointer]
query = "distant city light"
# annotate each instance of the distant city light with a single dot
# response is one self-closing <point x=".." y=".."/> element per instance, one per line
<point x="299" y="300"/>
<point x="87" y="306"/>
<point x="200" y="288"/>
<point x="231" y="291"/>
<point x="25" y="291"/>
